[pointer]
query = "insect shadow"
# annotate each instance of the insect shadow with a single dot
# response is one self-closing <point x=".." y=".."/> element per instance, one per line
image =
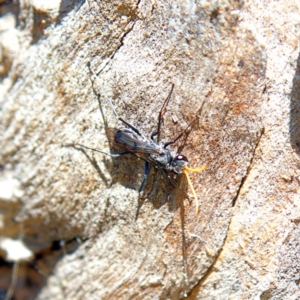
<point x="129" y="140"/>
<point x="294" y="126"/>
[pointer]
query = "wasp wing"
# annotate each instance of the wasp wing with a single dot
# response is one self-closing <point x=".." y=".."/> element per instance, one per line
<point x="128" y="140"/>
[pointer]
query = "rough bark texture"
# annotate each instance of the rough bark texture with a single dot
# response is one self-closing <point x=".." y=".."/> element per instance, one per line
<point x="235" y="68"/>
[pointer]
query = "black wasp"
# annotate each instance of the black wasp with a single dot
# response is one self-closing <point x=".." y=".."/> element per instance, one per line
<point x="130" y="140"/>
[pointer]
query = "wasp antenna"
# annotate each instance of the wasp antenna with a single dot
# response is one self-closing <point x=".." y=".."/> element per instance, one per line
<point x="185" y="171"/>
<point x="192" y="188"/>
<point x="75" y="146"/>
<point x="196" y="169"/>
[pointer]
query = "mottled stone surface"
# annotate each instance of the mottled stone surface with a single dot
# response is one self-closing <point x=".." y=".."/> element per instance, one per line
<point x="234" y="67"/>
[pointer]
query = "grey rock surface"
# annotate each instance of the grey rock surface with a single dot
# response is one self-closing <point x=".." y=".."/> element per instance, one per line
<point x="235" y="70"/>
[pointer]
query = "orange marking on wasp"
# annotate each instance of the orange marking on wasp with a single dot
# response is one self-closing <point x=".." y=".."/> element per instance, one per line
<point x="185" y="172"/>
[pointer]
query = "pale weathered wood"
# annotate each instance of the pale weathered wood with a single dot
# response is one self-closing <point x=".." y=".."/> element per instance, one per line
<point x="76" y="209"/>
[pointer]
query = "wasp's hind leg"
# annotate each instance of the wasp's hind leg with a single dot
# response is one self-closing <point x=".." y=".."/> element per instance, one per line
<point x="161" y="116"/>
<point x="184" y="131"/>
<point x="145" y="177"/>
<point x="96" y="150"/>
<point x="114" y="111"/>
<point x="121" y="119"/>
<point x="144" y="182"/>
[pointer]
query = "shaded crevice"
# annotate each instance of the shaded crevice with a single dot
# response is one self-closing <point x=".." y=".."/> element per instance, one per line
<point x="195" y="290"/>
<point x="294" y="126"/>
<point x="7" y="57"/>
<point x="116" y="50"/>
<point x="248" y="169"/>
<point x="43" y="19"/>
<point x="27" y="278"/>
<point x="121" y="42"/>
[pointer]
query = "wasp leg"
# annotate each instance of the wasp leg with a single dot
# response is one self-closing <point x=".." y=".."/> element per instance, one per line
<point x="169" y="178"/>
<point x="161" y="115"/>
<point x="121" y="119"/>
<point x="180" y="135"/>
<point x="184" y="131"/>
<point x="96" y="150"/>
<point x="146" y="173"/>
<point x="114" y="111"/>
<point x="130" y="126"/>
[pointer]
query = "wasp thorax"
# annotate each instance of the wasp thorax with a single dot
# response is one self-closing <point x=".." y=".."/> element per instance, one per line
<point x="164" y="158"/>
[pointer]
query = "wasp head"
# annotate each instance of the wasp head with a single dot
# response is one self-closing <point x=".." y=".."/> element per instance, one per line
<point x="179" y="163"/>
